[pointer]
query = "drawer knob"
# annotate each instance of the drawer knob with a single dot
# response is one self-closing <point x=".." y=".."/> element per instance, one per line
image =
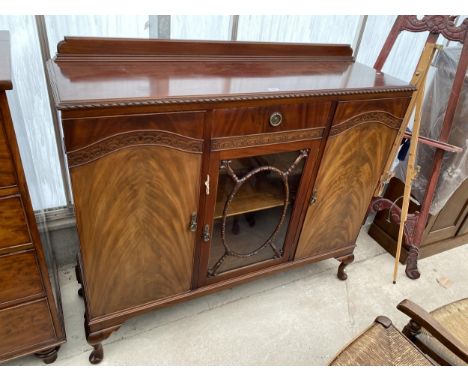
<point x="275" y="119"/>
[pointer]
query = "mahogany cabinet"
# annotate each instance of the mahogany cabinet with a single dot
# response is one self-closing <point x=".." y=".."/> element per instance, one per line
<point x="196" y="165"/>
<point x="29" y="319"/>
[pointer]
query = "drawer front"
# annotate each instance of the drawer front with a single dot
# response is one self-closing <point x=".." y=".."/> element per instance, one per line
<point x="386" y="111"/>
<point x="7" y="169"/>
<point x="24" y="326"/>
<point x="119" y="131"/>
<point x="19" y="277"/>
<point x="13" y="226"/>
<point x="90" y="139"/>
<point x="269" y="119"/>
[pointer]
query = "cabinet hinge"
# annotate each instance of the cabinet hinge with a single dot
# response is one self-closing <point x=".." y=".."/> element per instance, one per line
<point x="313" y="197"/>
<point x="206" y="233"/>
<point x="193" y="222"/>
<point x="207" y="184"/>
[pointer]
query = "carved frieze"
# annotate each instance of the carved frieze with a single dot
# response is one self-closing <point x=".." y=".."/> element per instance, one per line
<point x="225" y="143"/>
<point x="133" y="138"/>
<point x="382" y="117"/>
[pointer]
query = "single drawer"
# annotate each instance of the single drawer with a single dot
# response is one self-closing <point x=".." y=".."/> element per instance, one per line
<point x="7" y="169"/>
<point x="269" y="119"/>
<point x="13" y="225"/>
<point x="118" y="131"/>
<point x="19" y="277"/>
<point x="386" y="111"/>
<point x="24" y="326"/>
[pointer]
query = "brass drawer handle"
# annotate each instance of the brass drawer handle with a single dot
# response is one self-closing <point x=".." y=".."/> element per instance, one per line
<point x="276" y="119"/>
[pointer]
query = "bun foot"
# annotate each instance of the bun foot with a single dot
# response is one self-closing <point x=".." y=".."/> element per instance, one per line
<point x="345" y="261"/>
<point x="49" y="355"/>
<point x="97" y="355"/>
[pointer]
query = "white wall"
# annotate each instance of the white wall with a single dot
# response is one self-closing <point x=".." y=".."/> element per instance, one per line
<point x="200" y="27"/>
<point x="31" y="114"/>
<point x="318" y="29"/>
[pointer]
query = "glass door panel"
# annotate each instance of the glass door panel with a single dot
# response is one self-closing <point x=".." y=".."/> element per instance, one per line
<point x="254" y="203"/>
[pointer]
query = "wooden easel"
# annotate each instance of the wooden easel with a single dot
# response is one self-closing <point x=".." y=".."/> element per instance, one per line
<point x="419" y="78"/>
<point x="418" y="81"/>
<point x="412" y="226"/>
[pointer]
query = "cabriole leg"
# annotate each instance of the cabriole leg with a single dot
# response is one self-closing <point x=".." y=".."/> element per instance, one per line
<point x="97" y="355"/>
<point x="95" y="340"/>
<point x="345" y="261"/>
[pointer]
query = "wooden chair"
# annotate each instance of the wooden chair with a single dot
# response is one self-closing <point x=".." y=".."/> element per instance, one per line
<point x="439" y="337"/>
<point x="381" y="345"/>
<point x="441" y="334"/>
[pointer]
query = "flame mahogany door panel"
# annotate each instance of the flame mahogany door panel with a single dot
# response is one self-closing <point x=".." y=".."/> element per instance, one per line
<point x="135" y="192"/>
<point x="358" y="145"/>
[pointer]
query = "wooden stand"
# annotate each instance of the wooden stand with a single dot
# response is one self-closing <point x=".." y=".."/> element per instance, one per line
<point x="416" y="224"/>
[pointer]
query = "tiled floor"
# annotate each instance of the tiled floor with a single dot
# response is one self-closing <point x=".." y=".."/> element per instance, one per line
<point x="299" y="317"/>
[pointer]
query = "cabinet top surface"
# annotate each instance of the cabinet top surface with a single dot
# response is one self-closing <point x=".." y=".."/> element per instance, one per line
<point x="189" y="71"/>
<point x="5" y="68"/>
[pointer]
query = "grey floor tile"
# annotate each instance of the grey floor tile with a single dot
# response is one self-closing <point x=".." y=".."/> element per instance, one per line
<point x="299" y="317"/>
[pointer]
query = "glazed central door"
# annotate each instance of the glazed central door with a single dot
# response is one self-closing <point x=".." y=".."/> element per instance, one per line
<point x="251" y="210"/>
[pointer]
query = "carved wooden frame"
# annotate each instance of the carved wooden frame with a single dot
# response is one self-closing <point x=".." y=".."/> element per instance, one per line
<point x="116" y="142"/>
<point x="202" y="100"/>
<point x="382" y="117"/>
<point x="440" y="24"/>
<point x="226" y="143"/>
<point x="239" y="182"/>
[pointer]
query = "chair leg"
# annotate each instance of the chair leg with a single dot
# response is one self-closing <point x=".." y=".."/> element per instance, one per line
<point x="412" y="270"/>
<point x="411" y="329"/>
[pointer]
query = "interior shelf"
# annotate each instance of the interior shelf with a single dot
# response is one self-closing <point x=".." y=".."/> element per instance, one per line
<point x="251" y="197"/>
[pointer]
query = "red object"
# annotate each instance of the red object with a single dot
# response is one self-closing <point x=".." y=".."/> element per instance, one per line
<point x="435" y="25"/>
